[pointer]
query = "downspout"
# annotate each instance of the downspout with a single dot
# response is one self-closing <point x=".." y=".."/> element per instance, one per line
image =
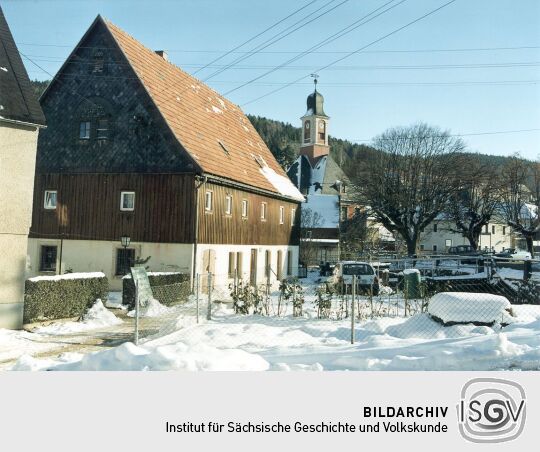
<point x="199" y="181"/>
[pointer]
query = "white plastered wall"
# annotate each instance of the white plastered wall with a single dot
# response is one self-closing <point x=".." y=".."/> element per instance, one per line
<point x="17" y="163"/>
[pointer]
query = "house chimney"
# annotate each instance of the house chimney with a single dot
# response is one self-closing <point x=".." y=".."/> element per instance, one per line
<point x="163" y="54"/>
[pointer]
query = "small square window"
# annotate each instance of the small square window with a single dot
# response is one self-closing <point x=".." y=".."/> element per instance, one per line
<point x="84" y="130"/>
<point x="228" y="205"/>
<point x="102" y="129"/>
<point x="281" y="214"/>
<point x="49" y="201"/>
<point x="208" y="201"/>
<point x="48" y="259"/>
<point x="127" y="201"/>
<point x="263" y="210"/>
<point x="244" y="208"/>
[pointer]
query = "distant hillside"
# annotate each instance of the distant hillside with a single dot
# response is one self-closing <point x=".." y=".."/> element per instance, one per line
<point x="283" y="139"/>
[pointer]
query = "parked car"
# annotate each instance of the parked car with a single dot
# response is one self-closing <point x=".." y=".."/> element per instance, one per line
<point x="366" y="276"/>
<point x="512" y="253"/>
<point x="463" y="250"/>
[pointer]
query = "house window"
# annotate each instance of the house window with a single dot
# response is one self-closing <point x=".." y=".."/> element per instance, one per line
<point x="102" y="129"/>
<point x="239" y="260"/>
<point x="435" y="227"/>
<point x="281" y="214"/>
<point x="486" y="228"/>
<point x="343" y="213"/>
<point x="125" y="259"/>
<point x="493" y="229"/>
<point x="293" y="216"/>
<point x="49" y="201"/>
<point x="504" y="230"/>
<point x="244" y="208"/>
<point x="434" y="248"/>
<point x="228" y="205"/>
<point x="47" y="261"/>
<point x="84" y="130"/>
<point x="127" y="201"/>
<point x="421" y="247"/>
<point x="264" y="206"/>
<point x="307" y="126"/>
<point x="289" y="263"/>
<point x="208" y="201"/>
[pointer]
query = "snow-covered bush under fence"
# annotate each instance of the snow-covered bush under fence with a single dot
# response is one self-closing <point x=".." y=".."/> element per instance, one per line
<point x="62" y="296"/>
<point x="167" y="287"/>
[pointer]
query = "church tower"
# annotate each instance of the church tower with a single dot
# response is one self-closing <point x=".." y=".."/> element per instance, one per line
<point x="315" y="127"/>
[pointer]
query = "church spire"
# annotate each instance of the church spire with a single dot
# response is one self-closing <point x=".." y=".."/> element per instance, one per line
<point x="315" y="125"/>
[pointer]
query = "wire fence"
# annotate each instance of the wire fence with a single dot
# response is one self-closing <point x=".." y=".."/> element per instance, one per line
<point x="402" y="298"/>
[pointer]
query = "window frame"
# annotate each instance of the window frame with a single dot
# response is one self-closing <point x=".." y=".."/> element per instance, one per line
<point x="293" y="216"/>
<point x="122" y="195"/>
<point x="132" y="261"/>
<point x="100" y="129"/>
<point x="281" y="214"/>
<point x="245" y="208"/>
<point x="208" y="201"/>
<point x="41" y="259"/>
<point x="228" y="205"/>
<point x="87" y="129"/>
<point x="45" y="199"/>
<point x="264" y="211"/>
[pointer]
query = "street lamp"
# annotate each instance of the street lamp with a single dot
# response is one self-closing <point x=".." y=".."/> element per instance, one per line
<point x="125" y="240"/>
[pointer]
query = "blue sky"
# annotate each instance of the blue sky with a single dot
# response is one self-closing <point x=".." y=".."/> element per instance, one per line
<point x="467" y="92"/>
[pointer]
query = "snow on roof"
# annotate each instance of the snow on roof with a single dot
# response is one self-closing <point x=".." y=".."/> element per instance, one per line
<point x="327" y="206"/>
<point x="281" y="183"/>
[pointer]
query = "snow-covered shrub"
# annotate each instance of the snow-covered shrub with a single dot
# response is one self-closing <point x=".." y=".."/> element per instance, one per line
<point x="62" y="296"/>
<point x="167" y="287"/>
<point x="527" y="292"/>
<point x="291" y="290"/>
<point x="323" y="301"/>
<point x="247" y="299"/>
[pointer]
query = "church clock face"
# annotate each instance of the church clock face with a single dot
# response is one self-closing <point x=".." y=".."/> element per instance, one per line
<point x="321" y="126"/>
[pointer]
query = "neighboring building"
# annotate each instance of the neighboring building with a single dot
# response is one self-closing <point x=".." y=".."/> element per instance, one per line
<point x="438" y="237"/>
<point x="136" y="147"/>
<point x="20" y="120"/>
<point x="324" y="184"/>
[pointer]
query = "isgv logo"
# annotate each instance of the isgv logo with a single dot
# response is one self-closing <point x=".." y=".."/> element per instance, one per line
<point x="491" y="410"/>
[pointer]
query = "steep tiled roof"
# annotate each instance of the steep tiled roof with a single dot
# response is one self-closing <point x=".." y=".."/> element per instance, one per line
<point x="214" y="131"/>
<point x="17" y="101"/>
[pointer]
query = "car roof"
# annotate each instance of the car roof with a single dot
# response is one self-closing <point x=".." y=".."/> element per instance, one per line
<point x="353" y="262"/>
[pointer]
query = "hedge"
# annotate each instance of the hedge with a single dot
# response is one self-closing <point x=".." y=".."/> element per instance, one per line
<point x="168" y="288"/>
<point x="62" y="296"/>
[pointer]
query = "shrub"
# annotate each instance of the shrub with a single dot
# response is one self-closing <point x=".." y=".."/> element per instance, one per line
<point x="62" y="296"/>
<point x="167" y="288"/>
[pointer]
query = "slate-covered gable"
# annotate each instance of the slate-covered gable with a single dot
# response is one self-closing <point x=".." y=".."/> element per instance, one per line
<point x="138" y="140"/>
<point x="17" y="100"/>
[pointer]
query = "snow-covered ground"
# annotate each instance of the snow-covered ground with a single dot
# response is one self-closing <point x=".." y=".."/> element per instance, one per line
<point x="253" y="342"/>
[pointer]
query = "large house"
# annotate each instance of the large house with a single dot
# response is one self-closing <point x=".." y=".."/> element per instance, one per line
<point x="317" y="176"/>
<point x="135" y="147"/>
<point x="20" y="121"/>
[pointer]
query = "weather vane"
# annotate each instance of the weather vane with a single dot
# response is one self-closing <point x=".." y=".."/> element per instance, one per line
<point x="315" y="77"/>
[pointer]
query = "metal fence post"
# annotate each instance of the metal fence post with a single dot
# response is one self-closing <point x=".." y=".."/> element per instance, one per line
<point x="197" y="289"/>
<point x="136" y="339"/>
<point x="353" y="299"/>
<point x="209" y="313"/>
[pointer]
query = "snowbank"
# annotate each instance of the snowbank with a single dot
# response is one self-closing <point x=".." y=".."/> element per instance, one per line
<point x="464" y="307"/>
<point x="97" y="317"/>
<point x="153" y="308"/>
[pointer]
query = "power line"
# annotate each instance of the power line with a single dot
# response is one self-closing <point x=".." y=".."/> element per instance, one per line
<point x="350" y="28"/>
<point x="497" y="132"/>
<point x="256" y="36"/>
<point x="433" y="11"/>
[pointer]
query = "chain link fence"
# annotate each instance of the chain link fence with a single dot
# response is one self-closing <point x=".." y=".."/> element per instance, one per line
<point x="402" y="298"/>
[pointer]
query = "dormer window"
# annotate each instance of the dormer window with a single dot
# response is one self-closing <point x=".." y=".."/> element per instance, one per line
<point x="307" y="132"/>
<point x="102" y="129"/>
<point x="84" y="130"/>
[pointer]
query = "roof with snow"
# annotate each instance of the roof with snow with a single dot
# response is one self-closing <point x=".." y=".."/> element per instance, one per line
<point x="327" y="207"/>
<point x="17" y="99"/>
<point x="189" y="107"/>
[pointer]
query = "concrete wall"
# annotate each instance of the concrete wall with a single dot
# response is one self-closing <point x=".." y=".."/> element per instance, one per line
<point x="17" y="163"/>
<point x="496" y="240"/>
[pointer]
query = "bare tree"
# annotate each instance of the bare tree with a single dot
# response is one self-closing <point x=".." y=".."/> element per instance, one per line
<point x="475" y="202"/>
<point x="409" y="181"/>
<point x="357" y="235"/>
<point x="309" y="220"/>
<point x="520" y="205"/>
